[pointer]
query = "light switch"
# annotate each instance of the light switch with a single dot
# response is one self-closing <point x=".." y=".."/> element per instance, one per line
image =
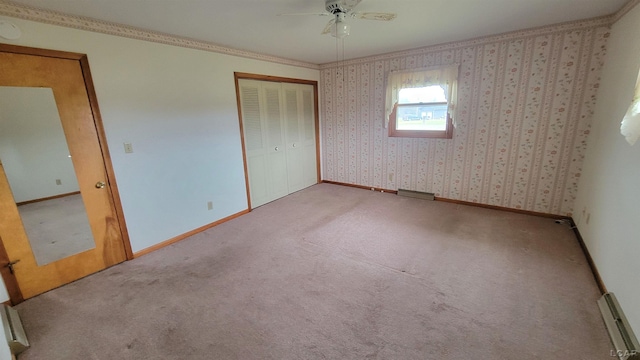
<point x="128" y="148"/>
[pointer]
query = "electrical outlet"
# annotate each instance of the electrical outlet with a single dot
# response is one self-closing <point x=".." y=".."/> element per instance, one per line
<point x="128" y="148"/>
<point x="58" y="182"/>
<point x="210" y="205"/>
<point x="390" y="177"/>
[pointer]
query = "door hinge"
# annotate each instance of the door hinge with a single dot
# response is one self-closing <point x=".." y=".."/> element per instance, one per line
<point x="10" y="265"/>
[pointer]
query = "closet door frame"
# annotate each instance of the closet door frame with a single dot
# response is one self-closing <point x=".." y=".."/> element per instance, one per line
<point x="249" y="76"/>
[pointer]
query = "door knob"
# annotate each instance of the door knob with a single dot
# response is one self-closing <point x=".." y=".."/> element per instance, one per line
<point x="276" y="148"/>
<point x="294" y="144"/>
<point x="100" y="185"/>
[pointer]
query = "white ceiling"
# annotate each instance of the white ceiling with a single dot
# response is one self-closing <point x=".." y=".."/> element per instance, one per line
<point x="254" y="25"/>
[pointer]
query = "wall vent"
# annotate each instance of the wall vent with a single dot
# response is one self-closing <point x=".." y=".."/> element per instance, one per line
<point x="624" y="341"/>
<point x="16" y="337"/>
<point x="417" y="194"/>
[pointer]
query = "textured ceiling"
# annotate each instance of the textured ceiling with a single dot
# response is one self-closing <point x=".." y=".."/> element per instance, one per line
<point x="255" y="25"/>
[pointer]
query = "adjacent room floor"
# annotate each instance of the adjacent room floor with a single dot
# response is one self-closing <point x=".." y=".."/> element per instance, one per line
<point x="333" y="272"/>
<point x="57" y="228"/>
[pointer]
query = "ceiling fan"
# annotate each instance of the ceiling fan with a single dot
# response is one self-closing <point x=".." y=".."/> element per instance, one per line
<point x="340" y="10"/>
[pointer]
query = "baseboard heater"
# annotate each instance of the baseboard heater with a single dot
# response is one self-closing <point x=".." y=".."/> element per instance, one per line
<point x="13" y="330"/>
<point x="625" y="342"/>
<point x="417" y="194"/>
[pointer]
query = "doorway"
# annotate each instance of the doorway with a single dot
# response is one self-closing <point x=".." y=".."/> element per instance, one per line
<point x="61" y="213"/>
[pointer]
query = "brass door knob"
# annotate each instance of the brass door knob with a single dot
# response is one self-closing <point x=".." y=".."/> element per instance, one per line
<point x="100" y="185"/>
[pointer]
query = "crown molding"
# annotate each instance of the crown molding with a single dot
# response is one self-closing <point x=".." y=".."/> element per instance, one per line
<point x="624" y="10"/>
<point x="89" y="24"/>
<point x="508" y="36"/>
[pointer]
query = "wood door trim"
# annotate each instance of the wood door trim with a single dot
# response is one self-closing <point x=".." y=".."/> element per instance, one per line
<point x="248" y="76"/>
<point x="317" y="125"/>
<point x="10" y="281"/>
<point x="15" y="49"/>
<point x="102" y="139"/>
<point x="242" y="143"/>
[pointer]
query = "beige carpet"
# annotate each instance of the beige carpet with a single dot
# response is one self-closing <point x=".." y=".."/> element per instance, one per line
<point x="333" y="272"/>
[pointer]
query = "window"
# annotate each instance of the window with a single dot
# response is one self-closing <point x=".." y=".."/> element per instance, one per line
<point x="420" y="103"/>
<point x="630" y="126"/>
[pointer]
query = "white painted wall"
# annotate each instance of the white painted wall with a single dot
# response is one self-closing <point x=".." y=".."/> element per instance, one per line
<point x="607" y="210"/>
<point x="33" y="148"/>
<point x="177" y="107"/>
<point x="5" y="353"/>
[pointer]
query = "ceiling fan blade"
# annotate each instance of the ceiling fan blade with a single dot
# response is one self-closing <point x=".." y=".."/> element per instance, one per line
<point x="374" y="16"/>
<point x="318" y="14"/>
<point x="327" y="29"/>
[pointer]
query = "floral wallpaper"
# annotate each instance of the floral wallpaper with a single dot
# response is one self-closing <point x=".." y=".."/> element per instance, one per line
<point x="525" y="103"/>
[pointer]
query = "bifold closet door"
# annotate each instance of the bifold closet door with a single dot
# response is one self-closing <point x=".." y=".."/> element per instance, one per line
<point x="295" y="150"/>
<point x="300" y="134"/>
<point x="278" y="121"/>
<point x="277" y="183"/>
<point x="264" y="140"/>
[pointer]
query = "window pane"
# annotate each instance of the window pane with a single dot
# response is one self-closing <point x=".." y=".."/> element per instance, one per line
<point x="427" y="94"/>
<point x="422" y="117"/>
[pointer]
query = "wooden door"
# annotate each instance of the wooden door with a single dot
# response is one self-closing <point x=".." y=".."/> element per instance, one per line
<point x="68" y="77"/>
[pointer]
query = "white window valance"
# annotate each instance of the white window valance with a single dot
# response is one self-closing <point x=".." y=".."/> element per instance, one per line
<point x="445" y="76"/>
<point x="630" y="126"/>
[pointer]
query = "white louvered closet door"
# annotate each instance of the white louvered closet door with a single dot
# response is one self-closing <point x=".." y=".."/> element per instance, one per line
<point x="295" y="148"/>
<point x="277" y="183"/>
<point x="255" y="140"/>
<point x="279" y="133"/>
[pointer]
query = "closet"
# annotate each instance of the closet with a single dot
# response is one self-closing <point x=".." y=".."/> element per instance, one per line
<point x="279" y="132"/>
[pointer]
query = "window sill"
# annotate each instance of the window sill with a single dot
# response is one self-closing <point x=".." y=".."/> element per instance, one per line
<point x="428" y="134"/>
<point x="420" y="133"/>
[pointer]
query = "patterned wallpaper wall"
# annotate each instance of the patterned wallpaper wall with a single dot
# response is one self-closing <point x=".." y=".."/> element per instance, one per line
<point x="525" y="105"/>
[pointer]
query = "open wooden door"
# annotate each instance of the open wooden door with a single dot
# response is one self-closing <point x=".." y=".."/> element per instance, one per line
<point x="30" y="74"/>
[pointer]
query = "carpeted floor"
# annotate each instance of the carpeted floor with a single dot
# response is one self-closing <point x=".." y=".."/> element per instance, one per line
<point x="333" y="272"/>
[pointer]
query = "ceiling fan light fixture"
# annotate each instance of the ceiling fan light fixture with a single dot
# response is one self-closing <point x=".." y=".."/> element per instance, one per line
<point x="341" y="30"/>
